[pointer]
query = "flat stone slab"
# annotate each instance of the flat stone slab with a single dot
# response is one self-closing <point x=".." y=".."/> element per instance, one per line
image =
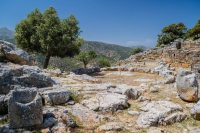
<point x="56" y="96"/>
<point x="85" y="115"/>
<point x="160" y="113"/>
<point x="107" y="102"/>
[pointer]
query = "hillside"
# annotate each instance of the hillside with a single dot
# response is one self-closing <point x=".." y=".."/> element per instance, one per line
<point x="113" y="51"/>
<point x="6" y="34"/>
<point x="110" y="50"/>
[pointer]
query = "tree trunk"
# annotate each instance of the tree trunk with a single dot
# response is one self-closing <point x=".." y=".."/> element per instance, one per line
<point x="46" y="62"/>
<point x="85" y="65"/>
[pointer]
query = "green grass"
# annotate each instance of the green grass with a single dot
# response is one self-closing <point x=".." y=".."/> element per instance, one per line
<point x="76" y="96"/>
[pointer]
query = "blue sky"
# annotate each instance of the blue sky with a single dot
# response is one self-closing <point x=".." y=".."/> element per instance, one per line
<point x="125" y="22"/>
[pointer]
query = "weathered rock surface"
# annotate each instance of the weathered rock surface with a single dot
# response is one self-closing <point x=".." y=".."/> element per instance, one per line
<point x="25" y="108"/>
<point x="3" y="105"/>
<point x="164" y="71"/>
<point x="160" y="113"/>
<point x="81" y="71"/>
<point x="83" y="77"/>
<point x="155" y="130"/>
<point x="195" y="111"/>
<point x="56" y="96"/>
<point x="49" y="120"/>
<point x="187" y="85"/>
<point x="86" y="116"/>
<point x="15" y="55"/>
<point x="12" y="75"/>
<point x="132" y="92"/>
<point x="107" y="102"/>
<point x="111" y="126"/>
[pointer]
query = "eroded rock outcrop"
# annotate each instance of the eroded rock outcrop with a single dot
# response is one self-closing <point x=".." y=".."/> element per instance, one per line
<point x="25" y="108"/>
<point x="12" y="75"/>
<point x="15" y="55"/>
<point x="160" y="113"/>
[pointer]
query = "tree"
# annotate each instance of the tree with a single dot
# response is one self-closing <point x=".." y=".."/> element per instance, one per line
<point x="86" y="57"/>
<point x="136" y="51"/>
<point x="194" y="33"/>
<point x="49" y="35"/>
<point x="171" y="33"/>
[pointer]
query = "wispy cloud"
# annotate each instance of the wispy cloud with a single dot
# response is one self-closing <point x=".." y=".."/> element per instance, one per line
<point x="146" y="42"/>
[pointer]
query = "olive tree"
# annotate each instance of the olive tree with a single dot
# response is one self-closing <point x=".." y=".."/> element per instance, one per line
<point x="85" y="57"/>
<point x="171" y="33"/>
<point x="47" y="34"/>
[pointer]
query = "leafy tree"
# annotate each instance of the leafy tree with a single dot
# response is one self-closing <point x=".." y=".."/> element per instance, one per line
<point x="86" y="57"/>
<point x="194" y="33"/>
<point x="171" y="33"/>
<point x="103" y="62"/>
<point x="136" y="51"/>
<point x="49" y="35"/>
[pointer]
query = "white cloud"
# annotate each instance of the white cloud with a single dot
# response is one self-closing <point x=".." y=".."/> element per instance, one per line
<point x="146" y="42"/>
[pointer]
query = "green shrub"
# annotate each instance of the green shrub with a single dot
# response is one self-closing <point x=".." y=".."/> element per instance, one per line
<point x="136" y="51"/>
<point x="103" y="62"/>
<point x="76" y="96"/>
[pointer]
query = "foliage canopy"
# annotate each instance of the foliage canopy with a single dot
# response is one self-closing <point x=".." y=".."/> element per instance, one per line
<point x="47" y="34"/>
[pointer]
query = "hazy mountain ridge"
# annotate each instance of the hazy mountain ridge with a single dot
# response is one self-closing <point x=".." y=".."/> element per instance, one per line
<point x="109" y="50"/>
<point x="113" y="51"/>
<point x="6" y="34"/>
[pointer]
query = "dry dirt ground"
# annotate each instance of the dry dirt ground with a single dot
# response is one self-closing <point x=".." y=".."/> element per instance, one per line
<point x="166" y="92"/>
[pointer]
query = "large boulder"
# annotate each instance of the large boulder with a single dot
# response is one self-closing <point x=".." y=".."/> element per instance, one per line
<point x="56" y="96"/>
<point x="195" y="111"/>
<point x="81" y="71"/>
<point x="187" y="85"/>
<point x="15" y="55"/>
<point x="85" y="115"/>
<point x="25" y="108"/>
<point x="12" y="75"/>
<point x="160" y="113"/>
<point x="107" y="102"/>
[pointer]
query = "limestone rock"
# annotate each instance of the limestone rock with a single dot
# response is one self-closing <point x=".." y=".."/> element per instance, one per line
<point x="195" y="111"/>
<point x="81" y="71"/>
<point x="111" y="126"/>
<point x="187" y="85"/>
<point x="15" y="55"/>
<point x="107" y="102"/>
<point x="132" y="92"/>
<point x="25" y="108"/>
<point x="133" y="113"/>
<point x="49" y="120"/>
<point x="56" y="96"/>
<point x="3" y="105"/>
<point x="160" y="113"/>
<point x="54" y="72"/>
<point x="83" y="77"/>
<point x="86" y="116"/>
<point x="12" y="75"/>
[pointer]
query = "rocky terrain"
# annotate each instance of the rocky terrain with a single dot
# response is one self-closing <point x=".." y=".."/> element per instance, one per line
<point x="145" y="93"/>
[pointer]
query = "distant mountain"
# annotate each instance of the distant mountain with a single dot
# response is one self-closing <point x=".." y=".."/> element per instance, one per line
<point x="6" y="34"/>
<point x="113" y="51"/>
